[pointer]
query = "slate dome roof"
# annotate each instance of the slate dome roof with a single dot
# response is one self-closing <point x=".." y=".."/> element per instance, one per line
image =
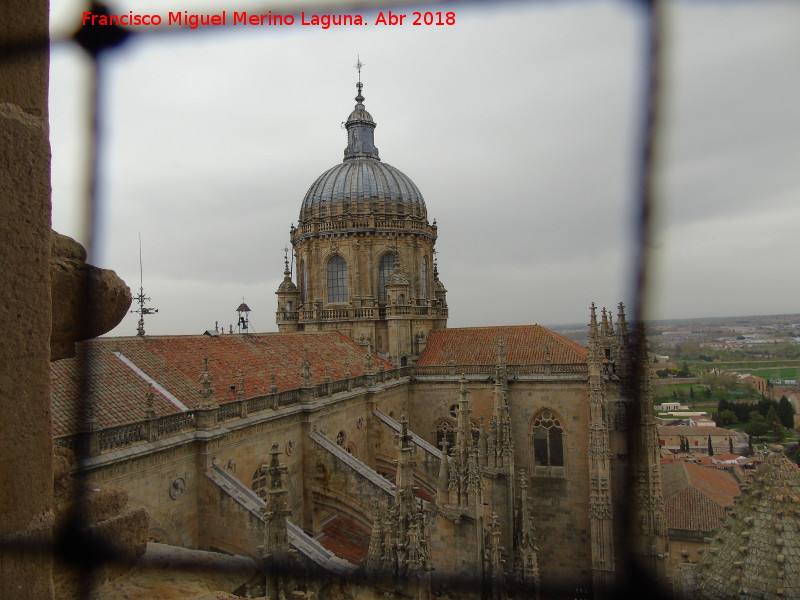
<point x="362" y="175"/>
<point x="361" y="179"/>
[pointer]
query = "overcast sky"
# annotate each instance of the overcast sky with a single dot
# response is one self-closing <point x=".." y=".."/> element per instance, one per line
<point x="518" y="124"/>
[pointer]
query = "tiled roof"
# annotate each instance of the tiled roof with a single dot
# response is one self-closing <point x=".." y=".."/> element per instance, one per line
<point x="756" y="550"/>
<point x="176" y="362"/>
<point x="345" y="539"/>
<point x="695" y="496"/>
<point x="525" y="345"/>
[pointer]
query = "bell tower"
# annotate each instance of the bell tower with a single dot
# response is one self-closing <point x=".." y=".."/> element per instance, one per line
<point x="364" y="253"/>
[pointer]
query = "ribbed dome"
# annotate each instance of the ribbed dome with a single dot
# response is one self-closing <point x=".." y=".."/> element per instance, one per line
<point x="363" y="179"/>
<point x="362" y="176"/>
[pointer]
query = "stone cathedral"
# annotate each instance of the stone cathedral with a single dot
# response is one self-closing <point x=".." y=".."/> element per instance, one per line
<point x="366" y="450"/>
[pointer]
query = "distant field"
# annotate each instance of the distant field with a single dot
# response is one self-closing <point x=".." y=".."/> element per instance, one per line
<point x="768" y="369"/>
<point x="663" y="393"/>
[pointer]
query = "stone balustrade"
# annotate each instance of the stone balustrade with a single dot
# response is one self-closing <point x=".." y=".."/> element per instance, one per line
<point x="109" y="439"/>
<point x="365" y="313"/>
<point x="114" y="438"/>
<point x="362" y="224"/>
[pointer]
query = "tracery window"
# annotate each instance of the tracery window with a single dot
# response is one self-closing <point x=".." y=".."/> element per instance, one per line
<point x="385" y="270"/>
<point x="445" y="430"/>
<point x="337" y="280"/>
<point x="548" y="443"/>
<point x="423" y="274"/>
<point x="259" y="483"/>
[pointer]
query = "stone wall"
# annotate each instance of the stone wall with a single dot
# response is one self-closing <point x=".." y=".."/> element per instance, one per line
<point x="168" y="475"/>
<point x="560" y="496"/>
<point x="26" y="470"/>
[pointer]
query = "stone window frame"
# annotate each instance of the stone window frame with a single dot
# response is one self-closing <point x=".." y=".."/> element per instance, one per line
<point x="385" y="270"/>
<point x="554" y="467"/>
<point x="302" y="274"/>
<point x="447" y="426"/>
<point x="337" y="279"/>
<point x="423" y="278"/>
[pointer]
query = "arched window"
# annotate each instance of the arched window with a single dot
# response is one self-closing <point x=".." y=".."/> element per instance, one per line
<point x="423" y="278"/>
<point x="445" y="430"/>
<point x="548" y="443"/>
<point x="385" y="270"/>
<point x="337" y="280"/>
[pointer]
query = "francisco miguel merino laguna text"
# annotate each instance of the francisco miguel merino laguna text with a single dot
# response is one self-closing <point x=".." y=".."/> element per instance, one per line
<point x="193" y="21"/>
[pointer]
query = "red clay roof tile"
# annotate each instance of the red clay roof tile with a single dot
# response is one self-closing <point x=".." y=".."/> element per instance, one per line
<point x="525" y="345"/>
<point x="345" y="539"/>
<point x="176" y="362"/>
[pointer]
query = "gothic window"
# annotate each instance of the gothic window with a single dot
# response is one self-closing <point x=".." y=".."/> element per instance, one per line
<point x="423" y="276"/>
<point x="445" y="430"/>
<point x="337" y="280"/>
<point x="385" y="270"/>
<point x="548" y="444"/>
<point x="259" y="484"/>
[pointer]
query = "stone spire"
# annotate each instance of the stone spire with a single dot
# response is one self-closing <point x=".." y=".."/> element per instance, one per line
<point x="206" y="400"/>
<point x="499" y="446"/>
<point x="622" y="353"/>
<point x="373" y="562"/>
<point x="360" y="128"/>
<point x="240" y="387"/>
<point x="526" y="559"/>
<point x="647" y="460"/>
<point x="600" y="507"/>
<point x="403" y="554"/>
<point x="276" y="551"/>
<point x="463" y="472"/>
<point x="756" y="550"/>
<point x="443" y="482"/>
<point x="305" y="373"/>
<point x="150" y="403"/>
<point x="494" y="560"/>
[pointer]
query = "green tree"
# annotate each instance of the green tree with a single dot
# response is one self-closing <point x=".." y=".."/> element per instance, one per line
<point x="785" y="412"/>
<point x="757" y="426"/>
<point x="727" y="417"/>
<point x="684" y="371"/>
<point x="691" y="393"/>
<point x="774" y="423"/>
<point x="710" y="447"/>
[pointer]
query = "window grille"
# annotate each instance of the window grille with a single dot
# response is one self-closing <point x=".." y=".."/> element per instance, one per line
<point x="385" y="270"/>
<point x="337" y="280"/>
<point x="423" y="275"/>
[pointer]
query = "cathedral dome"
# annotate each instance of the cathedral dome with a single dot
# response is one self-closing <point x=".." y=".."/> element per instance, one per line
<point x="362" y="184"/>
<point x="363" y="179"/>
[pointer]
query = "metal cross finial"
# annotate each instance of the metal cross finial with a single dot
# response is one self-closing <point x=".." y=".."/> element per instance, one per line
<point x="358" y="66"/>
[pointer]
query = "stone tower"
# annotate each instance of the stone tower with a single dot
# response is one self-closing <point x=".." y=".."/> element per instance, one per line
<point x="363" y="252"/>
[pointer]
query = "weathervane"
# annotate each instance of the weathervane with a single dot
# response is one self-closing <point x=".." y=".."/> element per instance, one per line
<point x="285" y="259"/>
<point x="140" y="298"/>
<point x="359" y="85"/>
<point x="358" y="67"/>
